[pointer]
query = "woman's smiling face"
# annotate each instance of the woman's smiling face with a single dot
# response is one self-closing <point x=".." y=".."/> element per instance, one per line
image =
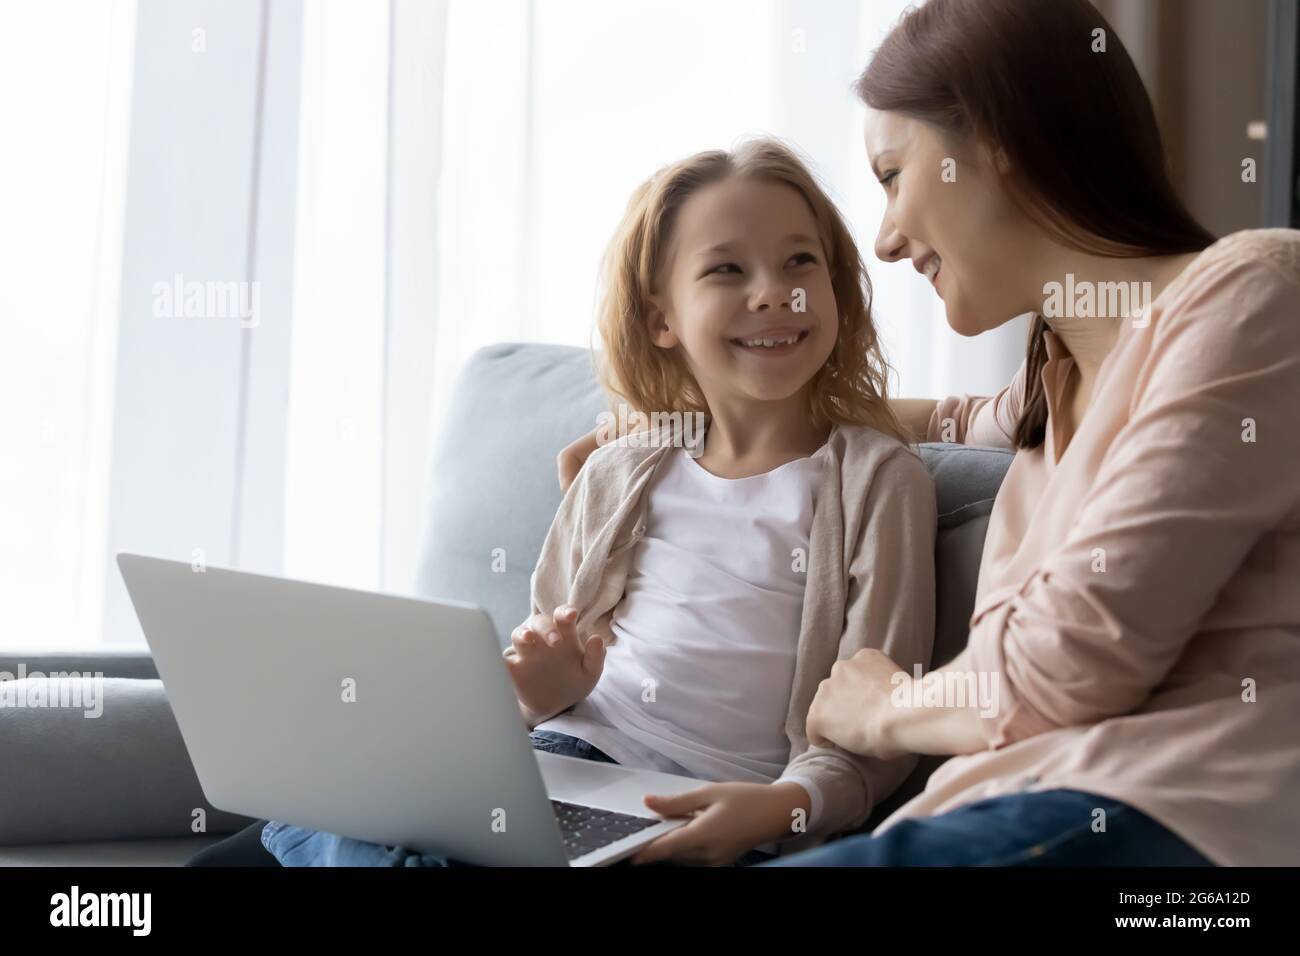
<point x="745" y="267"/>
<point x="948" y="211"/>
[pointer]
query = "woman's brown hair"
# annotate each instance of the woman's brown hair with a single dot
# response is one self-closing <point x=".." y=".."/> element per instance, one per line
<point x="849" y="389"/>
<point x="1076" y="127"/>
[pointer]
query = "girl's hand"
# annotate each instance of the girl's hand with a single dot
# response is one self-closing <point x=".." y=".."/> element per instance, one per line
<point x="552" y="668"/>
<point x="854" y="705"/>
<point x="728" y="820"/>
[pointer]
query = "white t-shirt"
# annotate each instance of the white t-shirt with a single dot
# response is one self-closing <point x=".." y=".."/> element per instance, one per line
<point x="698" y="680"/>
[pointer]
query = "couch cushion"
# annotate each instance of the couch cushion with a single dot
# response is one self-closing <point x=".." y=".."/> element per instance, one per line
<point x="493" y="488"/>
<point x="958" y="550"/>
<point x="123" y="774"/>
<point x="964" y="474"/>
<point x="966" y="482"/>
<point x="107" y="661"/>
<point x="166" y="852"/>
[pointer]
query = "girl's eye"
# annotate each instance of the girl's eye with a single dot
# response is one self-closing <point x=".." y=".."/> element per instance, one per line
<point x="727" y="268"/>
<point x="802" y="258"/>
<point x="886" y="179"/>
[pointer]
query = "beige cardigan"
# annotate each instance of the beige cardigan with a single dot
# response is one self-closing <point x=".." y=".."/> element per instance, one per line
<point x="870" y="584"/>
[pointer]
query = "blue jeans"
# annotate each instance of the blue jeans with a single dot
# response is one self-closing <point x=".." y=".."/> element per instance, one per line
<point x="1044" y="828"/>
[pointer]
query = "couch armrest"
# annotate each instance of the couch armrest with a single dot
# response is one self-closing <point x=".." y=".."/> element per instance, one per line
<point x="72" y="776"/>
<point x="111" y="662"/>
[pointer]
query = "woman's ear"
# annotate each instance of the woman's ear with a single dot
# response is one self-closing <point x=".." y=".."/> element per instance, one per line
<point x="656" y="322"/>
<point x="990" y="154"/>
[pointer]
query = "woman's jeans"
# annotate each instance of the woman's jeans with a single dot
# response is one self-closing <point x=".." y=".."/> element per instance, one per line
<point x="1043" y="828"/>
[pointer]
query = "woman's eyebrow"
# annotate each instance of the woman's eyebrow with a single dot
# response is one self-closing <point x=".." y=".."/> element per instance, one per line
<point x="875" y="160"/>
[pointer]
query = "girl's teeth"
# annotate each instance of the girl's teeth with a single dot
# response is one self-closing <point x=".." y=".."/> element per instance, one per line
<point x="768" y="343"/>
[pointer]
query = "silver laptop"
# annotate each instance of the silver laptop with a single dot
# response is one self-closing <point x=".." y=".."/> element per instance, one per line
<point x="387" y="719"/>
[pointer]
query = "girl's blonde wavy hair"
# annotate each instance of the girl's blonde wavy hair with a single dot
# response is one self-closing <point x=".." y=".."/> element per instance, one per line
<point x="850" y="389"/>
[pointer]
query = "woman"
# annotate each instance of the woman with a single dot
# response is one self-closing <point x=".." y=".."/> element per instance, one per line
<point x="1133" y="616"/>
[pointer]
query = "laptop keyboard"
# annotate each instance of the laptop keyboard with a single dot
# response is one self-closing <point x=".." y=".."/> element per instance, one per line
<point x="588" y="828"/>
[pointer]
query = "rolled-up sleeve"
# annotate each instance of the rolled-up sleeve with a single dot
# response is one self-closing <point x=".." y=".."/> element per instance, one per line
<point x="989" y="421"/>
<point x="1206" y="465"/>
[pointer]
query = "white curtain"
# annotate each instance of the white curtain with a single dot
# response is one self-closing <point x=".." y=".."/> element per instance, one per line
<point x="65" y="82"/>
<point x="552" y="120"/>
<point x="333" y="507"/>
<point x="554" y="112"/>
<point x="405" y="182"/>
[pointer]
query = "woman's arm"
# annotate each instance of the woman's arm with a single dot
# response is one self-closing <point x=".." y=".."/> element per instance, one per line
<point x="914" y="413"/>
<point x="1175" y="508"/>
<point x="989" y="421"/>
<point x="570" y="460"/>
<point x="1205" y="469"/>
<point x="871" y="706"/>
<point x="956" y="728"/>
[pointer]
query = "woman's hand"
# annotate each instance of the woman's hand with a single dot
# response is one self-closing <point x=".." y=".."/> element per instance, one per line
<point x="728" y="820"/>
<point x="552" y="668"/>
<point x="869" y="706"/>
<point x="914" y="414"/>
<point x="854" y="706"/>
<point x="569" y="461"/>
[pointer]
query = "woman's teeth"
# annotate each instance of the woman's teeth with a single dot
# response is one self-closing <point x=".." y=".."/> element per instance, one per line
<point x="932" y="267"/>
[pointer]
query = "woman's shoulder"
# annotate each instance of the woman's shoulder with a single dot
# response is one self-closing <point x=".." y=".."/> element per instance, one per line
<point x="1244" y="286"/>
<point x="1275" y="250"/>
<point x="1232" y="324"/>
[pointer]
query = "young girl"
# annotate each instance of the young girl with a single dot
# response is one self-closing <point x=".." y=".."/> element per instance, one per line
<point x="691" y="596"/>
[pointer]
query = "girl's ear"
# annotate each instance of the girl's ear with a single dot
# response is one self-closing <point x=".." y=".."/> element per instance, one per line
<point x="656" y="321"/>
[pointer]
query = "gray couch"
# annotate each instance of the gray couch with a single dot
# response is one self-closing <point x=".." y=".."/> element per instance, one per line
<point x="120" y="789"/>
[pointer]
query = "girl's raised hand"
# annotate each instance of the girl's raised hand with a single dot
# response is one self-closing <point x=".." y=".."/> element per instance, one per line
<point x="552" y="668"/>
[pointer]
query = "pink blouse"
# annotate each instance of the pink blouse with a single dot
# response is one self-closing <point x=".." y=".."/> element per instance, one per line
<point x="1138" y="606"/>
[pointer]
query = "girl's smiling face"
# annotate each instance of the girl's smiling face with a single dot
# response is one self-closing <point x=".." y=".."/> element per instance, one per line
<point x="744" y="267"/>
<point x="961" y="231"/>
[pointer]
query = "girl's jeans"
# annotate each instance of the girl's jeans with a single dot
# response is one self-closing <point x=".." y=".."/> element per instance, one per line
<point x="298" y="846"/>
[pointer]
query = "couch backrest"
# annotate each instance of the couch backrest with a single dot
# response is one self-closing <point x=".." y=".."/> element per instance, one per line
<point x="493" y="489"/>
<point x="492" y="486"/>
